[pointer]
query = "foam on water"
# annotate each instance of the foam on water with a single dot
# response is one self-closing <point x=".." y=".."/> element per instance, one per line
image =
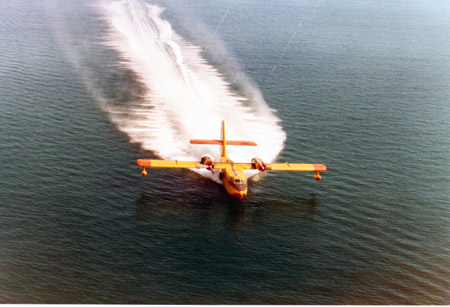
<point x="185" y="96"/>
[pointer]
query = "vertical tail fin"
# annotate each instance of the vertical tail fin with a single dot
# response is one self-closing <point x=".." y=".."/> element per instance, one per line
<point x="224" y="142"/>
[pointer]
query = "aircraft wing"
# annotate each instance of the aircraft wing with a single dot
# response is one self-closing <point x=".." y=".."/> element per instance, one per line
<point x="305" y="167"/>
<point x="177" y="164"/>
<point x="168" y="163"/>
<point x="302" y="167"/>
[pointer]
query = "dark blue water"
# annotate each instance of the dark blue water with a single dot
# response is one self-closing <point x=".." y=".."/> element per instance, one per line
<point x="361" y="86"/>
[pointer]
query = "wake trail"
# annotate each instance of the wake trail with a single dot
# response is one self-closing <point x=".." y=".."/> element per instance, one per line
<point x="185" y="97"/>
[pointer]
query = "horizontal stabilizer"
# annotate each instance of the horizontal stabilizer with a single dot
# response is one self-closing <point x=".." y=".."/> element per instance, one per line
<point x="245" y="143"/>
<point x="206" y="142"/>
<point x="219" y="142"/>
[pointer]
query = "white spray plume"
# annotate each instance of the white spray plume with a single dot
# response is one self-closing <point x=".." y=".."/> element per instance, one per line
<point x="186" y="97"/>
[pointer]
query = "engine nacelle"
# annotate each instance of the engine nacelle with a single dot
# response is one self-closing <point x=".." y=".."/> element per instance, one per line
<point x="207" y="161"/>
<point x="259" y="164"/>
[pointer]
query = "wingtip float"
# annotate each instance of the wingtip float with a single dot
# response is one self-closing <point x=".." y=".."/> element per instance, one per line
<point x="232" y="174"/>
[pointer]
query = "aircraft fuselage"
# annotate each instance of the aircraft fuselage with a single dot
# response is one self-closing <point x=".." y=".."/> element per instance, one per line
<point x="234" y="179"/>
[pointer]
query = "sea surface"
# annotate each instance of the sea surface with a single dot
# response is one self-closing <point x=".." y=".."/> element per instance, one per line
<point x="88" y="87"/>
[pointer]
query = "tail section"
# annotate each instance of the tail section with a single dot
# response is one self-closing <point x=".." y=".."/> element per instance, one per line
<point x="223" y="142"/>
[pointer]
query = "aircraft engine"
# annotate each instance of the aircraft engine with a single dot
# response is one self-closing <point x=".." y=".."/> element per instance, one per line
<point x="207" y="161"/>
<point x="259" y="164"/>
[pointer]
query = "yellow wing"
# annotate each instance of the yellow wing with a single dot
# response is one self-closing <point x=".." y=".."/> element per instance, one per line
<point x="179" y="164"/>
<point x="305" y="167"/>
<point x="168" y="163"/>
<point x="302" y="167"/>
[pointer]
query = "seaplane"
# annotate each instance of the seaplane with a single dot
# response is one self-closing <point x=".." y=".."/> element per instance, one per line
<point x="231" y="173"/>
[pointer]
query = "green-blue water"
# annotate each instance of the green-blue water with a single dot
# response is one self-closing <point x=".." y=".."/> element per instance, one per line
<point x="361" y="86"/>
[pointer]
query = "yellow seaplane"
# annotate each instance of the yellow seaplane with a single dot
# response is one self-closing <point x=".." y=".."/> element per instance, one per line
<point x="232" y="174"/>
